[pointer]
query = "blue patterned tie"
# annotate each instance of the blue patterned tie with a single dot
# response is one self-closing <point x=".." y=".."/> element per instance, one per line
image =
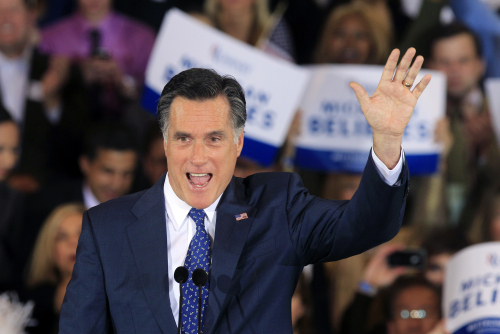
<point x="198" y="256"/>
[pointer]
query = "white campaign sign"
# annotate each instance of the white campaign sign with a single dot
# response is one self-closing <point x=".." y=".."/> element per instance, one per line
<point x="273" y="87"/>
<point x="335" y="135"/>
<point x="471" y="299"/>
<point x="493" y="94"/>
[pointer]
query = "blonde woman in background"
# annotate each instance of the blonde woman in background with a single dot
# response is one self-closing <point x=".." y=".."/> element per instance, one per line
<point x="250" y="21"/>
<point x="355" y="33"/>
<point x="52" y="264"/>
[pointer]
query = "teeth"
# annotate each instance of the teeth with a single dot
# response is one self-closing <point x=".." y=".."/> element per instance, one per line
<point x="199" y="186"/>
<point x="193" y="174"/>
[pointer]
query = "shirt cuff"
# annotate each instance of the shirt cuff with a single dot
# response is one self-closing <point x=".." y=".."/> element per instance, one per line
<point x="390" y="176"/>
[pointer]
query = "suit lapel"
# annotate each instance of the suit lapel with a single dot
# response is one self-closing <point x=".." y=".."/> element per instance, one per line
<point x="148" y="240"/>
<point x="230" y="236"/>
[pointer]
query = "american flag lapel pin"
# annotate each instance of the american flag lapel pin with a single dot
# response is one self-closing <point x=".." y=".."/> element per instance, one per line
<point x="241" y="216"/>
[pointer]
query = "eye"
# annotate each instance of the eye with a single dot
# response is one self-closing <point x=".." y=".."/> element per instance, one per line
<point x="183" y="139"/>
<point x="214" y="139"/>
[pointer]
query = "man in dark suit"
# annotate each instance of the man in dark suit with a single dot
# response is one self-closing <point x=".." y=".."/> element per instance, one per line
<point x="261" y="230"/>
<point x="108" y="164"/>
<point x="45" y="96"/>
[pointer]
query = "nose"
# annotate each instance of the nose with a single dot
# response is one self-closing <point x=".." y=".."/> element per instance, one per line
<point x="198" y="154"/>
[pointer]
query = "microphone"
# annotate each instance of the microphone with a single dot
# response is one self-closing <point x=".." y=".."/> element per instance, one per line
<point x="181" y="276"/>
<point x="200" y="278"/>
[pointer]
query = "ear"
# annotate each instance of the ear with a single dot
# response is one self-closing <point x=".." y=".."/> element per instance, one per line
<point x="239" y="144"/>
<point x="165" y="147"/>
<point x="84" y="163"/>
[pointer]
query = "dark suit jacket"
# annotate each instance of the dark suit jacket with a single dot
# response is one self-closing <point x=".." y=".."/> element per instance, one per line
<point x="11" y="215"/>
<point x="120" y="280"/>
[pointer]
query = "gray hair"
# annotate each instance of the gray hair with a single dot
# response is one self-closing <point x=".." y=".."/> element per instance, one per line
<point x="199" y="84"/>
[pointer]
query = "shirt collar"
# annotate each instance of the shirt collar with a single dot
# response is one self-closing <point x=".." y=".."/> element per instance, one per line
<point x="88" y="197"/>
<point x="180" y="209"/>
<point x="104" y="24"/>
<point x="23" y="60"/>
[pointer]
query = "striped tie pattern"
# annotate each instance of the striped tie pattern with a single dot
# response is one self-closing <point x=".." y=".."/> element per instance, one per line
<point x="198" y="256"/>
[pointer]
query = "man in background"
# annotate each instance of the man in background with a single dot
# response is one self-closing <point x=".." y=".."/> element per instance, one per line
<point x="473" y="158"/>
<point x="43" y="95"/>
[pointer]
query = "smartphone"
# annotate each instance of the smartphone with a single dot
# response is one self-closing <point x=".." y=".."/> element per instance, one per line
<point x="413" y="258"/>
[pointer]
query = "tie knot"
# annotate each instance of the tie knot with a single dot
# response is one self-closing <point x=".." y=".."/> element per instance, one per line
<point x="198" y="216"/>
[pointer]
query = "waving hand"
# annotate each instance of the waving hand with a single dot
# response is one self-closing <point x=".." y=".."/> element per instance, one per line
<point x="389" y="109"/>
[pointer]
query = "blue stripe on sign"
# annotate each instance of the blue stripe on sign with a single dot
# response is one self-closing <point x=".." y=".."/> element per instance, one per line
<point x="149" y="99"/>
<point x="258" y="151"/>
<point x="483" y="326"/>
<point x="355" y="161"/>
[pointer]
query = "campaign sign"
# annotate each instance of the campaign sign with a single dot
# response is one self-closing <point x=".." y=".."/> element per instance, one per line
<point x="492" y="87"/>
<point x="273" y="87"/>
<point x="335" y="135"/>
<point x="471" y="299"/>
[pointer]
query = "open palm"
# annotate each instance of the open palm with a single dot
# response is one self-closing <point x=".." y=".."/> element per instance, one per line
<point x="389" y="109"/>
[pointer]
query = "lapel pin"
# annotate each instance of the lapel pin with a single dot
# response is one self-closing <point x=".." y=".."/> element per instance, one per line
<point x="241" y="216"/>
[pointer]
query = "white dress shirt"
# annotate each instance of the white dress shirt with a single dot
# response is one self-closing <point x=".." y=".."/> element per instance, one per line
<point x="89" y="199"/>
<point x="14" y="84"/>
<point x="181" y="228"/>
<point x="15" y="87"/>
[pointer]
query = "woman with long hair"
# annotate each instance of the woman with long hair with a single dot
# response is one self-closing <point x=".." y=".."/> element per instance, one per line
<point x="52" y="263"/>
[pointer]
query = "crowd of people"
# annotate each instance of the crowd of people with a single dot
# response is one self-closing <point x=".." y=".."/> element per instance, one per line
<point x="73" y="135"/>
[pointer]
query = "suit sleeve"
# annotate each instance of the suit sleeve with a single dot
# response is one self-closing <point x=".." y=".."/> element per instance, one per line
<point x="324" y="230"/>
<point x="85" y="308"/>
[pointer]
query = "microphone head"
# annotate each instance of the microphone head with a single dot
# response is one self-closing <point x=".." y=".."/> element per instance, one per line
<point x="200" y="277"/>
<point x="181" y="275"/>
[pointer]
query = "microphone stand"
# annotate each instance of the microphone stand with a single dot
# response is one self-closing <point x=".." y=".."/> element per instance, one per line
<point x="200" y="278"/>
<point x="181" y="275"/>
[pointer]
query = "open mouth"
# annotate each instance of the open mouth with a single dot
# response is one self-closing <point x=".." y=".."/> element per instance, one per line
<point x="199" y="180"/>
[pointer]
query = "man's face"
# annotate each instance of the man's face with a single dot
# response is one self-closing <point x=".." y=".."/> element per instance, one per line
<point x="110" y="174"/>
<point x="200" y="149"/>
<point x="15" y="23"/>
<point x="407" y="302"/>
<point x="456" y="56"/>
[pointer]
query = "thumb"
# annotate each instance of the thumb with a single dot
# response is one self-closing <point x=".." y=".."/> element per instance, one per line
<point x="361" y="95"/>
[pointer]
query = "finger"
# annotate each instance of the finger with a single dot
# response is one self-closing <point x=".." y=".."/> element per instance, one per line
<point x="404" y="65"/>
<point x="421" y="86"/>
<point x="415" y="68"/>
<point x="361" y="95"/>
<point x="390" y="66"/>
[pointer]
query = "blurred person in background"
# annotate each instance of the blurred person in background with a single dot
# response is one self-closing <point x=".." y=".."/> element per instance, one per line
<point x="52" y="264"/>
<point x="250" y="21"/>
<point x="354" y="34"/>
<point x="11" y="202"/>
<point x="473" y="161"/>
<point x="402" y="301"/>
<point x="111" y="49"/>
<point x="485" y="23"/>
<point x="405" y="301"/>
<point x="441" y="244"/>
<point x="154" y="161"/>
<point x="108" y="164"/>
<point x="42" y="94"/>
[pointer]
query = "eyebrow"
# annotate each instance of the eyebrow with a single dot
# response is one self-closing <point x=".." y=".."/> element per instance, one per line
<point x="181" y="134"/>
<point x="217" y="133"/>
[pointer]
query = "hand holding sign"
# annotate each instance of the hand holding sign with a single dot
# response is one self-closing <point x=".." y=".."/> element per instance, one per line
<point x="389" y="109"/>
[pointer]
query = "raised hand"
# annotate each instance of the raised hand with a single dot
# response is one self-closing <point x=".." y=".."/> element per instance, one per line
<point x="389" y="109"/>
